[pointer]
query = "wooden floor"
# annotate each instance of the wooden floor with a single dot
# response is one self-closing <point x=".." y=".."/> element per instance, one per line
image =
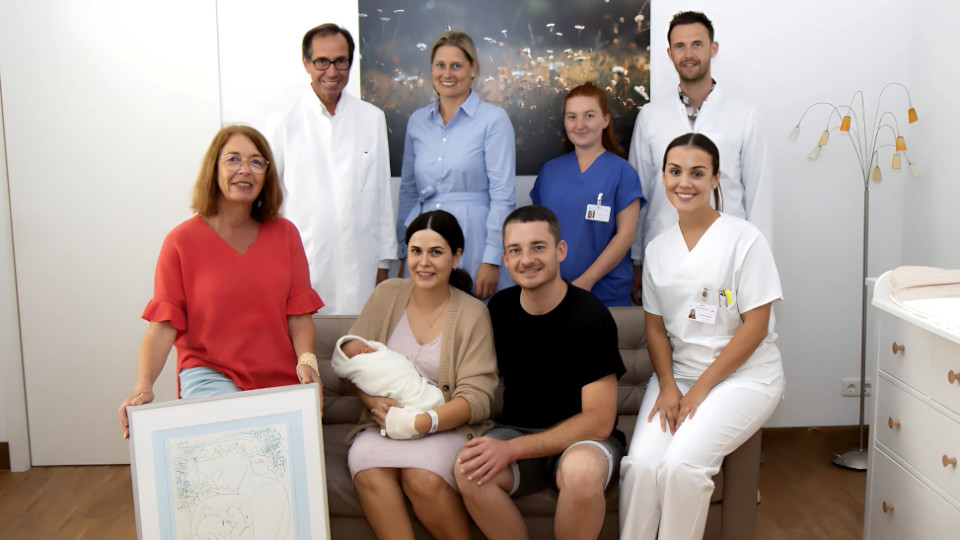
<point x="803" y="496"/>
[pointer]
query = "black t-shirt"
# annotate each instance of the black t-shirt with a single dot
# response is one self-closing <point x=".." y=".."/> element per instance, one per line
<point x="546" y="360"/>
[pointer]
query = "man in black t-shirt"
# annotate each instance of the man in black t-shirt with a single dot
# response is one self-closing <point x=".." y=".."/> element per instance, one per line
<point x="557" y="352"/>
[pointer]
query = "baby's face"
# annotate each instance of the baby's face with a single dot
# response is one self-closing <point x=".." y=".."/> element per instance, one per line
<point x="355" y="347"/>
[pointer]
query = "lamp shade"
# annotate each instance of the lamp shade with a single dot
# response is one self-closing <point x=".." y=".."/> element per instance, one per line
<point x="914" y="171"/>
<point x="901" y="144"/>
<point x="794" y="134"/>
<point x="815" y="153"/>
<point x="895" y="163"/>
<point x="845" y="124"/>
<point x="875" y="175"/>
<point x="824" y="137"/>
<point x="911" y="115"/>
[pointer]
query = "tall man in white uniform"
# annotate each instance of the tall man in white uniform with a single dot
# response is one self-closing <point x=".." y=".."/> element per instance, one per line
<point x="334" y="163"/>
<point x="701" y="106"/>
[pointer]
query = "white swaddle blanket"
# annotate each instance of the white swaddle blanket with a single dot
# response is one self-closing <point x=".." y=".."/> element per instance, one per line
<point x="387" y="373"/>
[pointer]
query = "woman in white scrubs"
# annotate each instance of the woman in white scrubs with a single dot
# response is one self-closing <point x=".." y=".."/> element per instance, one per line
<point x="709" y="283"/>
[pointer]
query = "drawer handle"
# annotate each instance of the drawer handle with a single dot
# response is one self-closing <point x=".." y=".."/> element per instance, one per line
<point x="887" y="507"/>
<point x="898" y="348"/>
<point x="951" y="376"/>
<point x="892" y="423"/>
<point x="947" y="461"/>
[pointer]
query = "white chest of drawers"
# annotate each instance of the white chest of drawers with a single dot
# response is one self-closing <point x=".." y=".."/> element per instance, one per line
<point x="913" y="480"/>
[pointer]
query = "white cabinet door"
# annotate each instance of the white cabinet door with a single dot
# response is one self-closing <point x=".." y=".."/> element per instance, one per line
<point x="904" y="508"/>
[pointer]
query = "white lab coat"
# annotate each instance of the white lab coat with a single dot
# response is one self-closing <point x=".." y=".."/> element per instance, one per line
<point x="336" y="179"/>
<point x="734" y="127"/>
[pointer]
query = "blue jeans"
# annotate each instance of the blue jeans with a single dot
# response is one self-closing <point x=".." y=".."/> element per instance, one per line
<point x="204" y="382"/>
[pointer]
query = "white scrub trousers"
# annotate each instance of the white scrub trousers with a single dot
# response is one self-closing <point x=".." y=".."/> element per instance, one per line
<point x="666" y="480"/>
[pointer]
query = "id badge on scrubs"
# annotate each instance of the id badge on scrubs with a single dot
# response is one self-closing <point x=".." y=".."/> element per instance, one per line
<point x="598" y="212"/>
<point x="703" y="312"/>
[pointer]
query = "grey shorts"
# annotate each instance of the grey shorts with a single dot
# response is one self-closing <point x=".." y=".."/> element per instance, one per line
<point x="533" y="475"/>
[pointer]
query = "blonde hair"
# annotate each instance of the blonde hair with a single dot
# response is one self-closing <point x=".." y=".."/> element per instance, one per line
<point x="458" y="39"/>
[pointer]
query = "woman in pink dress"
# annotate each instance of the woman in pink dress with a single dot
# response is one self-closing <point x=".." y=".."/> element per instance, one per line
<point x="432" y="319"/>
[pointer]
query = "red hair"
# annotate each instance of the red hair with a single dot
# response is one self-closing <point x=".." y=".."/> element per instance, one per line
<point x="609" y="138"/>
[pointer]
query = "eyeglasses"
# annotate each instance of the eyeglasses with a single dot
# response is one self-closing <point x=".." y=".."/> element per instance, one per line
<point x="340" y="64"/>
<point x="258" y="165"/>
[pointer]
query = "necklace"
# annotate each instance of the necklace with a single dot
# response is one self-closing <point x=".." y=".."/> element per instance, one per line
<point x="440" y="311"/>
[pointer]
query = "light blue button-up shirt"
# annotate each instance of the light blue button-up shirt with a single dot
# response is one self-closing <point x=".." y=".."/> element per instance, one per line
<point x="466" y="167"/>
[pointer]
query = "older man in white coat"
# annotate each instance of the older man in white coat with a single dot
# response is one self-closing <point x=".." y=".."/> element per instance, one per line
<point x="700" y="105"/>
<point x="335" y="167"/>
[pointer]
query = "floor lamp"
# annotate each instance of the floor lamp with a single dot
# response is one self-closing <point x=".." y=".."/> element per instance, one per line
<point x="866" y="146"/>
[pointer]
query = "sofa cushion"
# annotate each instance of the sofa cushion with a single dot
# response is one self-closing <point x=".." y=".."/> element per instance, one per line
<point x="340" y="405"/>
<point x="341" y="496"/>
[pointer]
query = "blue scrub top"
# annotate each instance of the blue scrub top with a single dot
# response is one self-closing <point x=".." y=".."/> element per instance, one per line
<point x="566" y="191"/>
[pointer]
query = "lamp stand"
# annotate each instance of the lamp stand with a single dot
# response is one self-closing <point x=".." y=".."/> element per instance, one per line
<point x="856" y="458"/>
<point x="866" y="148"/>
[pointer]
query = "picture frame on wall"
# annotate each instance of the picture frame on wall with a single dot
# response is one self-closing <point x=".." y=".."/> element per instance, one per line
<point x="529" y="54"/>
<point x="236" y="465"/>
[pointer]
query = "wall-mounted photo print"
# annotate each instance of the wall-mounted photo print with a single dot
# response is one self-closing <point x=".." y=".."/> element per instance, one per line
<point x="530" y="52"/>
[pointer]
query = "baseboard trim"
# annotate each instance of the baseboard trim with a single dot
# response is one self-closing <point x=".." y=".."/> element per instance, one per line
<point x="4" y="456"/>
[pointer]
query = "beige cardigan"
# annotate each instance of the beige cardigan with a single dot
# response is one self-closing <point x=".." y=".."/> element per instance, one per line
<point x="468" y="363"/>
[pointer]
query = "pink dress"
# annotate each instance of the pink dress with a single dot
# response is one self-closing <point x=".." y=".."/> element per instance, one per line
<point x="435" y="453"/>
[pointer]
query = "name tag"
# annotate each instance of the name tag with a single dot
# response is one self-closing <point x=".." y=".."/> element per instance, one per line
<point x="703" y="313"/>
<point x="597" y="212"/>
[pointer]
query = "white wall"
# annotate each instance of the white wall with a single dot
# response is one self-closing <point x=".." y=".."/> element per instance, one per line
<point x="13" y="412"/>
<point x="9" y="323"/>
<point x="108" y="108"/>
<point x="931" y="217"/>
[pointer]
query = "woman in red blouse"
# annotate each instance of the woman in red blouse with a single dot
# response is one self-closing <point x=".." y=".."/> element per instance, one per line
<point x="232" y="288"/>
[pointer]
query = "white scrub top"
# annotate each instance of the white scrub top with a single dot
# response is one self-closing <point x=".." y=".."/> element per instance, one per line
<point x="731" y="255"/>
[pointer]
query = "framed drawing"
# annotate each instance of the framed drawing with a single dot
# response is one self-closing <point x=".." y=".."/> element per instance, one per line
<point x="244" y="465"/>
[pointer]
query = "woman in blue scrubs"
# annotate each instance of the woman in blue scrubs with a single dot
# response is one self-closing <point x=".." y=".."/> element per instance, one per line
<point x="596" y="196"/>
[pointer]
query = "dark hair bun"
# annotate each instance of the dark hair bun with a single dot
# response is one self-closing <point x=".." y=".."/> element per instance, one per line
<point x="460" y="279"/>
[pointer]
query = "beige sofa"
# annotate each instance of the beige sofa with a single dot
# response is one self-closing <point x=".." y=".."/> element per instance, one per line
<point x="733" y="506"/>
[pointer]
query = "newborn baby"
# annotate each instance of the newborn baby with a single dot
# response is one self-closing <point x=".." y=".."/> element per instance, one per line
<point x="378" y="371"/>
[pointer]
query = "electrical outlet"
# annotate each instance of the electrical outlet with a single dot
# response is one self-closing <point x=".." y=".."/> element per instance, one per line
<point x="850" y="387"/>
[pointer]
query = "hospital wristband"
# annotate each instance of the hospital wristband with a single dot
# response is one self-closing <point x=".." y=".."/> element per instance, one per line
<point x="434" y="421"/>
<point x="309" y="359"/>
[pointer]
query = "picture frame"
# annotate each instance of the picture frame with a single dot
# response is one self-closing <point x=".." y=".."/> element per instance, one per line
<point x="529" y="53"/>
<point x="225" y="464"/>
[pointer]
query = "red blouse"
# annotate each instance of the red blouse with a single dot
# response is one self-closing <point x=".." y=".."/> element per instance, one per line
<point x="230" y="309"/>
